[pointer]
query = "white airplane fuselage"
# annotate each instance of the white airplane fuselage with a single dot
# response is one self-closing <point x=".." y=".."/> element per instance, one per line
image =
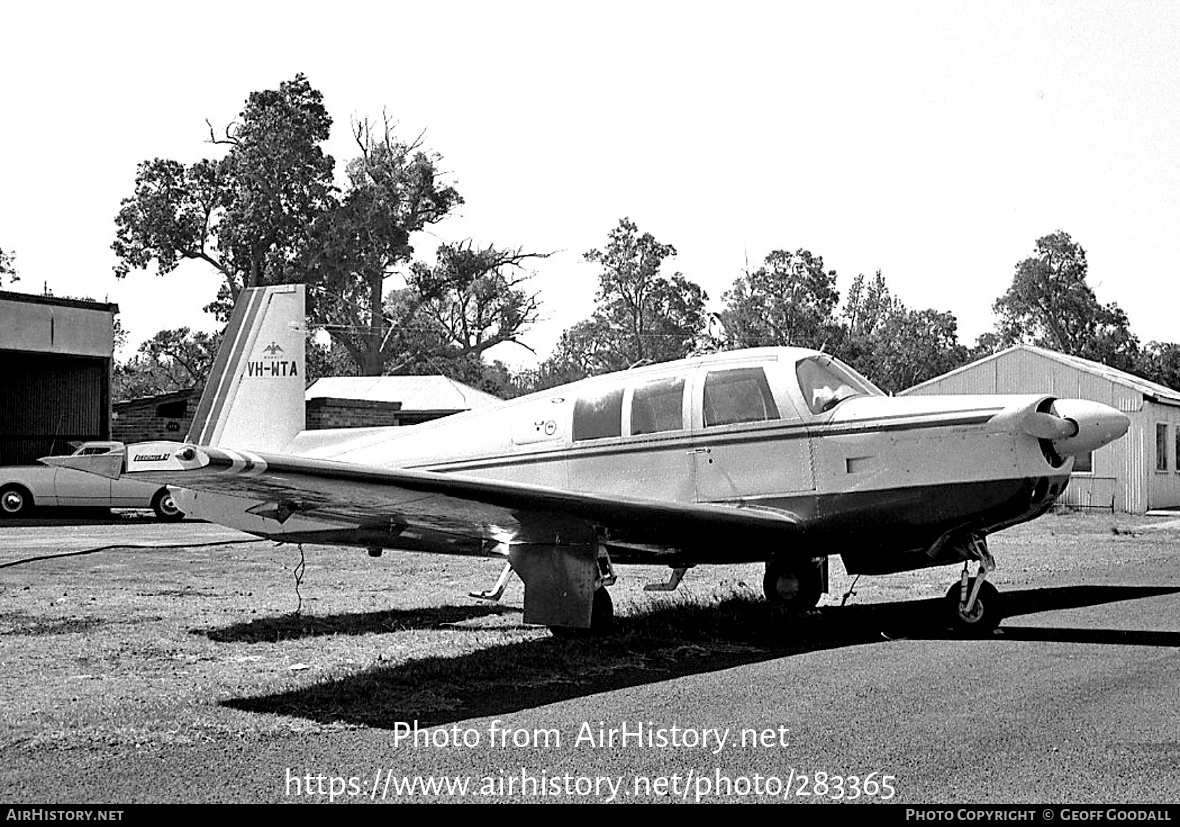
<point x="889" y="483"/>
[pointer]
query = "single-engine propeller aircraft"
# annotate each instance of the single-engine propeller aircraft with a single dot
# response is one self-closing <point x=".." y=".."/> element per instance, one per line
<point x="776" y="455"/>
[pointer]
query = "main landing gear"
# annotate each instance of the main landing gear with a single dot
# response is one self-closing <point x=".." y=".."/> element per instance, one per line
<point x="602" y="612"/>
<point x="973" y="604"/>
<point x="795" y="585"/>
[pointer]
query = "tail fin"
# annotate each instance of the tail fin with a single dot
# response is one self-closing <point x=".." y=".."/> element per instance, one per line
<point x="253" y="399"/>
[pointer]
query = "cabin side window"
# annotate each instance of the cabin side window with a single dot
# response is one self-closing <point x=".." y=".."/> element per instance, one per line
<point x="599" y="416"/>
<point x="658" y="406"/>
<point x="740" y="395"/>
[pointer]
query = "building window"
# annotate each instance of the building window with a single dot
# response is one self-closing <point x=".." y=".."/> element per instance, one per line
<point x="596" y="417"/>
<point x="1176" y="464"/>
<point x="658" y="406"/>
<point x="1084" y="463"/>
<point x="1161" y="446"/>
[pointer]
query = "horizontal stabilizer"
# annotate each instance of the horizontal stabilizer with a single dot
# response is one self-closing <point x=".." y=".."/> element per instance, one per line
<point x="105" y="465"/>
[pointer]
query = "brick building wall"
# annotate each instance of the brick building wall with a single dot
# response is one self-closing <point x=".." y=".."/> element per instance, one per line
<point x="325" y="412"/>
<point x="164" y="417"/>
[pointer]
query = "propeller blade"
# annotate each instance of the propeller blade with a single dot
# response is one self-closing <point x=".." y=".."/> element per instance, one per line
<point x="1049" y="426"/>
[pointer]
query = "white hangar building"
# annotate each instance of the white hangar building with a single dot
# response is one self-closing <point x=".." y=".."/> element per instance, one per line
<point x="1134" y="474"/>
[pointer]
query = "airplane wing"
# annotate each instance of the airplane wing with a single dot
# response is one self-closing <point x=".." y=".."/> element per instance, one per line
<point x="279" y="486"/>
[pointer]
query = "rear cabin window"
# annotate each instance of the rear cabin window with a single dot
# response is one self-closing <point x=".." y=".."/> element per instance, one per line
<point x="599" y="416"/>
<point x="658" y="406"/>
<point x="740" y="395"/>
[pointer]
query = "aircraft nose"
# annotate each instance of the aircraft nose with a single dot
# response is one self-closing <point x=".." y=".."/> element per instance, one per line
<point x="1097" y="424"/>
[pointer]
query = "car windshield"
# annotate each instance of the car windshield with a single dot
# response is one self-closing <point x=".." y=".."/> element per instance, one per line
<point x="825" y="383"/>
<point x="90" y="450"/>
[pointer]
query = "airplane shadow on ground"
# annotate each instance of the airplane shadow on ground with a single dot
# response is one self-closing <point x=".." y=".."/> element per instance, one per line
<point x="656" y="646"/>
<point x="293" y="627"/>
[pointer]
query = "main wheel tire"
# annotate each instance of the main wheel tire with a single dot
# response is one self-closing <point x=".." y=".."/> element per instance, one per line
<point x="984" y="616"/>
<point x="602" y="619"/>
<point x="15" y="501"/>
<point x="796" y="586"/>
<point x="165" y="506"/>
<point x="602" y="616"/>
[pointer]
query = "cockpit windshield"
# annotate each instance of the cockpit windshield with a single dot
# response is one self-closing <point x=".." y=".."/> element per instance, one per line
<point x="825" y="383"/>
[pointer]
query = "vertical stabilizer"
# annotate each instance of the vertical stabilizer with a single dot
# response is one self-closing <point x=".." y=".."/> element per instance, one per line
<point x="253" y="399"/>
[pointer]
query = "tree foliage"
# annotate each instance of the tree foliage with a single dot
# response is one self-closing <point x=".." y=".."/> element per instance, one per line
<point x="268" y="212"/>
<point x="171" y="360"/>
<point x="1049" y="304"/>
<point x="788" y="301"/>
<point x="791" y="300"/>
<point x="471" y="299"/>
<point x="912" y="346"/>
<point x="1160" y="362"/>
<point x="7" y="267"/>
<point x="393" y="190"/>
<point x="894" y="345"/>
<point x="249" y="214"/>
<point x="640" y="315"/>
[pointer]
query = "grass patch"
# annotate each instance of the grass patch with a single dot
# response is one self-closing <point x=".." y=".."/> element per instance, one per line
<point x="146" y="649"/>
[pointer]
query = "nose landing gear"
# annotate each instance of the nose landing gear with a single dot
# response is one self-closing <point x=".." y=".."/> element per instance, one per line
<point x="973" y="604"/>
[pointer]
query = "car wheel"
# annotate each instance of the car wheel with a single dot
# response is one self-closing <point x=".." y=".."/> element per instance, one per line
<point x="164" y="504"/>
<point x="15" y="501"/>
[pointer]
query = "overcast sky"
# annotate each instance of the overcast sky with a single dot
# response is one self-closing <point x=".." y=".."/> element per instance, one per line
<point x="932" y="141"/>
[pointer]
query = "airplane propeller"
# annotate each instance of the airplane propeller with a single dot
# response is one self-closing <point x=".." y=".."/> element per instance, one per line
<point x="1077" y="425"/>
<point x="1049" y="426"/>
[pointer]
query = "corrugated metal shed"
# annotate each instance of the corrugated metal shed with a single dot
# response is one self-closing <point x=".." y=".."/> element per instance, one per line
<point x="1137" y="473"/>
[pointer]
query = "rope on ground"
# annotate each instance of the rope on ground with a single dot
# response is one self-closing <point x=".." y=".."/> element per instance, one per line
<point x="126" y="546"/>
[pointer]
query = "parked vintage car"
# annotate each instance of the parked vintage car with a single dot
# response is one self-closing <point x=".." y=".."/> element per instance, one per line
<point x="25" y="487"/>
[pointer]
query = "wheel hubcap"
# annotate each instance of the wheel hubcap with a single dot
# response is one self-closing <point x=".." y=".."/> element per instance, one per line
<point x="12" y="502"/>
<point x="974" y="615"/>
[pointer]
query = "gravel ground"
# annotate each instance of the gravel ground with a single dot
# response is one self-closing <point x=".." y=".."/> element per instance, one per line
<point x="185" y="675"/>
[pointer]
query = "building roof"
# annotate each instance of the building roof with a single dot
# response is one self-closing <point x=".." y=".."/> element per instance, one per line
<point x="416" y="393"/>
<point x="157" y="398"/>
<point x="1152" y="390"/>
<point x="81" y="304"/>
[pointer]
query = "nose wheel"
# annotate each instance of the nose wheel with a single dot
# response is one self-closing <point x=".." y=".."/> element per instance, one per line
<point x="973" y="605"/>
<point x="981" y="616"/>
